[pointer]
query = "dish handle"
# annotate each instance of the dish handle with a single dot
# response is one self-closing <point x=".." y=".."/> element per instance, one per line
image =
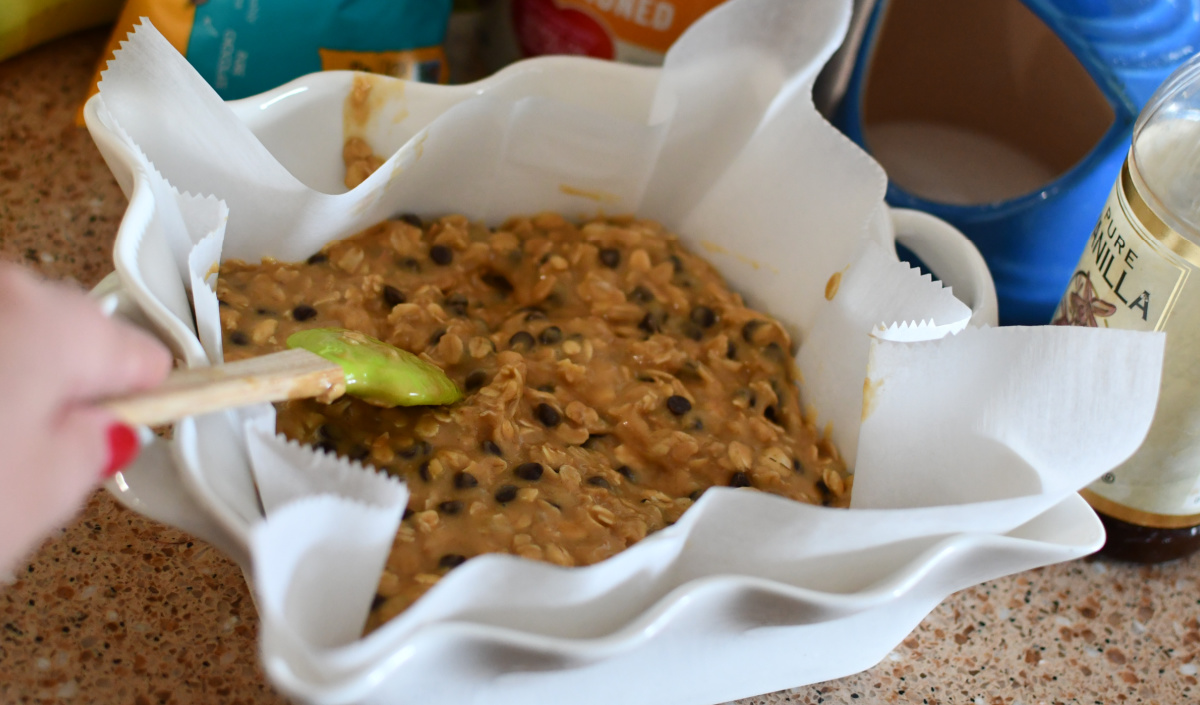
<point x="952" y="257"/>
<point x="151" y="485"/>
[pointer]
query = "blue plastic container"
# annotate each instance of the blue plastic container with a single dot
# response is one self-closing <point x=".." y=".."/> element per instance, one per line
<point x="1032" y="241"/>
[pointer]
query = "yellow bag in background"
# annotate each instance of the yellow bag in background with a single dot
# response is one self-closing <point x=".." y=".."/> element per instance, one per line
<point x="25" y="24"/>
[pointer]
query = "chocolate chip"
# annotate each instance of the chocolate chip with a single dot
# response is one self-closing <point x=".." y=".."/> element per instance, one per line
<point x="239" y="338"/>
<point x="598" y="481"/>
<point x="739" y="479"/>
<point x="465" y="481"/>
<point x="303" y="312"/>
<point x="417" y="448"/>
<point x="457" y="304"/>
<point x="450" y="561"/>
<point x="548" y="415"/>
<point x="730" y="350"/>
<point x="393" y="296"/>
<point x="451" y="507"/>
<point x="497" y="281"/>
<point x="529" y="471"/>
<point x="318" y="258"/>
<point x="423" y="471"/>
<point x="491" y="448"/>
<point x="641" y="295"/>
<point x="506" y="493"/>
<point x="411" y="218"/>
<point x="703" y="316"/>
<point x="436" y="337"/>
<point x="533" y="313"/>
<point x="521" y="341"/>
<point x="750" y="327"/>
<point x="626" y="472"/>
<point x="475" y="380"/>
<point x="648" y="324"/>
<point x="678" y="405"/>
<point x="610" y="257"/>
<point x="796" y="464"/>
<point x="440" y="254"/>
<point x="550" y="336"/>
<point x="771" y="414"/>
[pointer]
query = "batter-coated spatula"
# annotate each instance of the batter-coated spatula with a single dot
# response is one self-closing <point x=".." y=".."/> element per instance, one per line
<point x="323" y="363"/>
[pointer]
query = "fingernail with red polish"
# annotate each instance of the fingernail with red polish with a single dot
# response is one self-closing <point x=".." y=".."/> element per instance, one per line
<point x="123" y="447"/>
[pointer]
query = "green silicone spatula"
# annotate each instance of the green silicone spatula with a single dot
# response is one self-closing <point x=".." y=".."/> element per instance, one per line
<point x="321" y="363"/>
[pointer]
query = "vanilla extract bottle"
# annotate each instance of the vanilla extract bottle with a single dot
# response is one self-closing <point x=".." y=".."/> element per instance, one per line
<point x="1139" y="272"/>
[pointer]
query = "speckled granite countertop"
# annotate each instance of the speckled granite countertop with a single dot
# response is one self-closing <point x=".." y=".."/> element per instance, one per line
<point x="118" y="609"/>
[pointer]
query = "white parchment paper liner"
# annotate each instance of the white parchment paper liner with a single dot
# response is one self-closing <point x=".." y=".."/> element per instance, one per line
<point x="963" y="431"/>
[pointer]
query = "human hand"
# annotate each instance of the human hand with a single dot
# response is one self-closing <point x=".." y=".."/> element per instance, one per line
<point x="58" y="353"/>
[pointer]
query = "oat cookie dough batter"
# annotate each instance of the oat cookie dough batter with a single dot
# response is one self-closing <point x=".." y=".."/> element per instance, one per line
<point x="611" y="377"/>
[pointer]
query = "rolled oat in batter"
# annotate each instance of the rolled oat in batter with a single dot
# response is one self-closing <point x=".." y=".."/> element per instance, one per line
<point x="611" y="377"/>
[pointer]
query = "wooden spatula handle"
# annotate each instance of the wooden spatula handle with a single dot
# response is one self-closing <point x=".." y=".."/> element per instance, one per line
<point x="291" y="374"/>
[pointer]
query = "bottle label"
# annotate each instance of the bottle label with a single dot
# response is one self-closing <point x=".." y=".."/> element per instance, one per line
<point x="1130" y="276"/>
<point x="1126" y="277"/>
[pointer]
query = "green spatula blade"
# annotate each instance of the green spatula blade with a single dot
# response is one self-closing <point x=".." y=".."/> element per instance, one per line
<point x="377" y="372"/>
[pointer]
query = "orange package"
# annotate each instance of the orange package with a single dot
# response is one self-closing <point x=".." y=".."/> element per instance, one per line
<point x="632" y="31"/>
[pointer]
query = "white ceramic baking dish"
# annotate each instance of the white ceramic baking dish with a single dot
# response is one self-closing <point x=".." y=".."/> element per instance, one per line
<point x="702" y="638"/>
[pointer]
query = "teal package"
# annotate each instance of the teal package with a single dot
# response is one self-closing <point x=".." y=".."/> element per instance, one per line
<point x="244" y="47"/>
